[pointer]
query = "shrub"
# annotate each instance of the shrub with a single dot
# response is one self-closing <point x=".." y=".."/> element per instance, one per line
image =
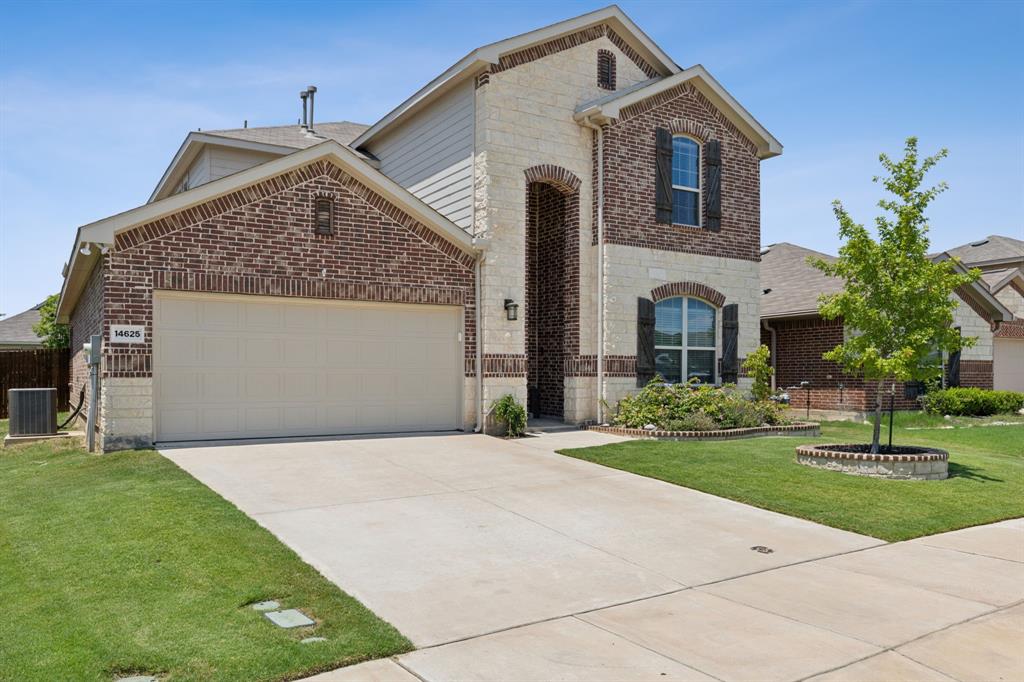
<point x="975" y="402"/>
<point x="694" y="407"/>
<point x="760" y="370"/>
<point x="511" y="413"/>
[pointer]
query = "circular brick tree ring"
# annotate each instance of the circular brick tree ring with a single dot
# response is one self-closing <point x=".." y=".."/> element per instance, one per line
<point x="903" y="462"/>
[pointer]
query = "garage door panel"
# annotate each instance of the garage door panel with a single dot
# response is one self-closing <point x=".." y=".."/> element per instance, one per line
<point x="1008" y="364"/>
<point x="236" y="366"/>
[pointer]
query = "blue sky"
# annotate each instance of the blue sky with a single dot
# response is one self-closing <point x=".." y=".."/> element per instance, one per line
<point x="95" y="98"/>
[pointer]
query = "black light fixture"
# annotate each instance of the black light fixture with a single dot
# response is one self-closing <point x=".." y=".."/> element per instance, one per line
<point x="511" y="310"/>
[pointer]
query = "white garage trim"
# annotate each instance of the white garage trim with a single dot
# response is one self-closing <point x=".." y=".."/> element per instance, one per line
<point x="235" y="366"/>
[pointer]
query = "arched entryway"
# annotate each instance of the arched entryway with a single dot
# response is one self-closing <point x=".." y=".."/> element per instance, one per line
<point x="552" y="285"/>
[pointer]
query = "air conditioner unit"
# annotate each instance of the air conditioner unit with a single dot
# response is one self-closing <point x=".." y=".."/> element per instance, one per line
<point x="33" y="411"/>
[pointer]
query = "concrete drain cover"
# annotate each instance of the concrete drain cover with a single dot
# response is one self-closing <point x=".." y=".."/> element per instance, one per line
<point x="762" y="549"/>
<point x="289" y="618"/>
<point x="269" y="605"/>
<point x="311" y="640"/>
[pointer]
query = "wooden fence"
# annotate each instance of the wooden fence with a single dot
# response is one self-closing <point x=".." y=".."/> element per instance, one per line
<point x="42" y="368"/>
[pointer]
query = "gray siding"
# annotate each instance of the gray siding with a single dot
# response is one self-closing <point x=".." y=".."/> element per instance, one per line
<point x="431" y="155"/>
<point x="214" y="163"/>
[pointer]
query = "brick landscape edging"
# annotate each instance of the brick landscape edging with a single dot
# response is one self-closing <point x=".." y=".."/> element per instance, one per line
<point x="929" y="464"/>
<point x="797" y="429"/>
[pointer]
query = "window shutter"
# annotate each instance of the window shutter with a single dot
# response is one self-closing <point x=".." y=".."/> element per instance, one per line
<point x="663" y="176"/>
<point x="323" y="219"/>
<point x="730" y="341"/>
<point x="713" y="159"/>
<point x="645" y="367"/>
<point x="953" y="368"/>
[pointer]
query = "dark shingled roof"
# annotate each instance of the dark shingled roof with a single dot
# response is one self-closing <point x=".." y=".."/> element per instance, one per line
<point x="793" y="284"/>
<point x="16" y="330"/>
<point x="994" y="247"/>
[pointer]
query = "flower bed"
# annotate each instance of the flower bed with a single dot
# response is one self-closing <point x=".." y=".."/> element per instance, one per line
<point x="795" y="429"/>
<point x="902" y="462"/>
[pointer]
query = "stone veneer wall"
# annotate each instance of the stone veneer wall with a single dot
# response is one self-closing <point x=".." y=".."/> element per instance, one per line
<point x="524" y="119"/>
<point x="260" y="240"/>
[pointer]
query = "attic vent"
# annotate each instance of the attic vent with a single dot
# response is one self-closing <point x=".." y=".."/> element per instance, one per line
<point x="605" y="70"/>
<point x="980" y="243"/>
<point x="324" y="216"/>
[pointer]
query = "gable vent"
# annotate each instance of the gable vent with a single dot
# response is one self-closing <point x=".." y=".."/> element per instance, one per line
<point x="605" y="70"/>
<point x="324" y="216"/>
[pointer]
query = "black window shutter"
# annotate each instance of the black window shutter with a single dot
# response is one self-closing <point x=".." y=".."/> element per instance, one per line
<point x="645" y="367"/>
<point x="953" y="367"/>
<point x="730" y="341"/>
<point x="713" y="159"/>
<point x="663" y="176"/>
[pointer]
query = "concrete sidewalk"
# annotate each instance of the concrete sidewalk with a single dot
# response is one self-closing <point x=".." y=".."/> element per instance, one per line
<point x="502" y="560"/>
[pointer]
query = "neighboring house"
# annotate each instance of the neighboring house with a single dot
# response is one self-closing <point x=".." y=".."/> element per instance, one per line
<point x="16" y="331"/>
<point x="797" y="335"/>
<point x="285" y="281"/>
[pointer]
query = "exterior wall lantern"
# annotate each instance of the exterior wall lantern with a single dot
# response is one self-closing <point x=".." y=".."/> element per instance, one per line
<point x="511" y="310"/>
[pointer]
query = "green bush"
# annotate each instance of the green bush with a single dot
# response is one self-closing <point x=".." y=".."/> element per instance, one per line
<point x="511" y="413"/>
<point x="758" y="367"/>
<point x="694" y="407"/>
<point x="972" y="402"/>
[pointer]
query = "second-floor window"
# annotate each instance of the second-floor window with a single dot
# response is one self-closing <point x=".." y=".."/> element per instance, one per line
<point x="685" y="181"/>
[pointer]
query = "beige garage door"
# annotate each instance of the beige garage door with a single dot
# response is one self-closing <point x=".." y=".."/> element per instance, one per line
<point x="1008" y="365"/>
<point x="257" y="367"/>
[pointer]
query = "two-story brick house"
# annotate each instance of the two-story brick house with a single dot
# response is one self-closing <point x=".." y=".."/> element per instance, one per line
<point x="337" y="278"/>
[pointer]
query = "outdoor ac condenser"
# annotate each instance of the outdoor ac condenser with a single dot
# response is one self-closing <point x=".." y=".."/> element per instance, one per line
<point x="33" y="411"/>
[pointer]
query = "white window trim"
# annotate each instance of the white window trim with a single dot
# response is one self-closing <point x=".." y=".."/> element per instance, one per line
<point x="685" y="348"/>
<point x="700" y="183"/>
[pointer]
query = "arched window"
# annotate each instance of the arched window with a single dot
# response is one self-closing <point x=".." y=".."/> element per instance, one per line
<point x="684" y="339"/>
<point x="685" y="181"/>
<point x="605" y="70"/>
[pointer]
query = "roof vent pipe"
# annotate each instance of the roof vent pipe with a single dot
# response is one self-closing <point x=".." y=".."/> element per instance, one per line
<point x="304" y="94"/>
<point x="312" y="95"/>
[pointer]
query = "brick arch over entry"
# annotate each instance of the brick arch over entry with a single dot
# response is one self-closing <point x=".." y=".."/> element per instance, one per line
<point x="558" y="177"/>
<point x="672" y="289"/>
<point x="686" y="126"/>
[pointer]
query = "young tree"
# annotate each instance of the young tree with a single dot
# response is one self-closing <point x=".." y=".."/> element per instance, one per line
<point x="897" y="303"/>
<point x="54" y="335"/>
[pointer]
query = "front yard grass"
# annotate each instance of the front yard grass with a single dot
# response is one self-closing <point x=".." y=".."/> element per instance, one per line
<point x="986" y="482"/>
<point x="125" y="564"/>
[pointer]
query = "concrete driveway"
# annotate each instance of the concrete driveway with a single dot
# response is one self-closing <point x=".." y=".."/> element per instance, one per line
<point x="503" y="560"/>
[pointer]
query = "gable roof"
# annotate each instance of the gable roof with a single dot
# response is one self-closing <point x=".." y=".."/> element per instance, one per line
<point x="104" y="231"/>
<point x="993" y="250"/>
<point x="792" y="286"/>
<point x="279" y="140"/>
<point x="997" y="280"/>
<point x="611" y="106"/>
<point x="16" y="330"/>
<point x="483" y="57"/>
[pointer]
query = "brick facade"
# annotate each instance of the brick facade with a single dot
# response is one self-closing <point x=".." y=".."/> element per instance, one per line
<point x="629" y="154"/>
<point x="261" y="240"/>
<point x="799" y="345"/>
<point x="86" y="320"/>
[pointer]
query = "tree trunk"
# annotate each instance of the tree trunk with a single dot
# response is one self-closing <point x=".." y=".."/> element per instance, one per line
<point x="876" y="432"/>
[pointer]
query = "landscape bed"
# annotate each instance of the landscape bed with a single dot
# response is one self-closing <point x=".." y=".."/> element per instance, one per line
<point x="794" y="429"/>
<point x="124" y="564"/>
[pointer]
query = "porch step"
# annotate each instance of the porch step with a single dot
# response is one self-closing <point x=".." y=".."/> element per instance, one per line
<point x="542" y="425"/>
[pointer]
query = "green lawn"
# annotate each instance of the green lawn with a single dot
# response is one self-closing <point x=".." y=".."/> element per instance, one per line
<point x="124" y="563"/>
<point x="986" y="480"/>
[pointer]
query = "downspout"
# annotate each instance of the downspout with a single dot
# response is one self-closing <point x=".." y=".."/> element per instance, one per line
<point x="479" y="319"/>
<point x="768" y="328"/>
<point x="600" y="266"/>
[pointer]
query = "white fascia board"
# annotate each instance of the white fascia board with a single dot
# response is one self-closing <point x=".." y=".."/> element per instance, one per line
<point x="1017" y="274"/>
<point x="978" y="289"/>
<point x="191" y="147"/>
<point x="766" y="143"/>
<point x="482" y="57"/>
<point x="104" y="231"/>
